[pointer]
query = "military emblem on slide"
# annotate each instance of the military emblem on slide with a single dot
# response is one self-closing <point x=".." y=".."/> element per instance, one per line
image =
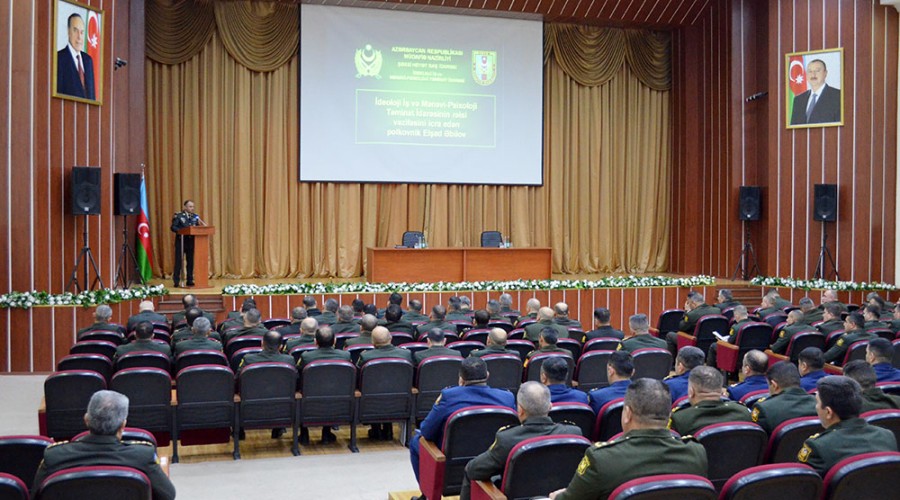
<point x="484" y="66"/>
<point x="368" y="62"/>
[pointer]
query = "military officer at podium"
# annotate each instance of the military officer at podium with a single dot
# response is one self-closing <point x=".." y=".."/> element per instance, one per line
<point x="184" y="245"/>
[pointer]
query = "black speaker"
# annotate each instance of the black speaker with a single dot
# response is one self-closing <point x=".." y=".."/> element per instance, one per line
<point x="85" y="190"/>
<point x="825" y="202"/>
<point x="749" y="208"/>
<point x="127" y="194"/>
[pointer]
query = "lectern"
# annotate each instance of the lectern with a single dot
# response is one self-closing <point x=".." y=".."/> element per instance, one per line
<point x="201" y="236"/>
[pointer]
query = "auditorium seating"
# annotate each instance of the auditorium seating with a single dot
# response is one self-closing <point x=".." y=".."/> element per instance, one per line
<point x="267" y="399"/>
<point x="238" y="356"/>
<point x="601" y="344"/>
<point x="327" y="395"/>
<point x="798" y="342"/>
<point x="609" y="420"/>
<point x="103" y="347"/>
<point x="121" y="483"/>
<point x="385" y="393"/>
<point x="580" y="414"/>
<point x="273" y="323"/>
<point x="399" y="338"/>
<point x="465" y="346"/>
<point x="12" y="487"/>
<point x="722" y="439"/>
<point x="751" y="398"/>
<point x="572" y="345"/>
<point x="21" y="455"/>
<point x="590" y="371"/>
<point x="205" y="395"/>
<point x="433" y="375"/>
<point x="668" y="321"/>
<point x="356" y="349"/>
<point x="66" y="396"/>
<point x="199" y="357"/>
<point x="114" y="337"/>
<point x="703" y="336"/>
<point x="149" y="392"/>
<point x="750" y="336"/>
<point x="533" y="370"/>
<point x="505" y="325"/>
<point x="87" y="361"/>
<point x="505" y="371"/>
<point x="144" y="359"/>
<point x="888" y="419"/>
<point x="128" y="434"/>
<point x="651" y="362"/>
<point x="522" y="346"/>
<point x="781" y="480"/>
<point x="666" y="487"/>
<point x="870" y="475"/>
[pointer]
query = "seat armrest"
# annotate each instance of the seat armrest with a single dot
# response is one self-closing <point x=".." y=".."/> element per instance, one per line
<point x="775" y="357"/>
<point x="726" y="345"/>
<point x="486" y="490"/>
<point x="432" y="468"/>
<point x="174" y="399"/>
<point x="431" y="449"/>
<point x="833" y="369"/>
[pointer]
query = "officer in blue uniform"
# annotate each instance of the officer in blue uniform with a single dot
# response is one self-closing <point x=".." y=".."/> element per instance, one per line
<point x="754" y="368"/>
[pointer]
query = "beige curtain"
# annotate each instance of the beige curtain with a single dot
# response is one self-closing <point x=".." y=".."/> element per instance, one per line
<point x="223" y="131"/>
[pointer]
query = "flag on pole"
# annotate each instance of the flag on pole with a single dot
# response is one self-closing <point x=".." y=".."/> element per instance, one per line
<point x="797" y="78"/>
<point x="144" y="249"/>
<point x="93" y="46"/>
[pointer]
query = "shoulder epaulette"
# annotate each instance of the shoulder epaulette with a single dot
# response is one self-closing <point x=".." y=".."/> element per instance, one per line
<point x="145" y="443"/>
<point x="677" y="408"/>
<point x="814" y="436"/>
<point x="505" y="427"/>
<point x="689" y="438"/>
<point x="604" y="444"/>
<point x="57" y="443"/>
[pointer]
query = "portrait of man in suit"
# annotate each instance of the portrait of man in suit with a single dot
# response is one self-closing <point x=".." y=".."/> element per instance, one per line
<point x="820" y="103"/>
<point x="75" y="66"/>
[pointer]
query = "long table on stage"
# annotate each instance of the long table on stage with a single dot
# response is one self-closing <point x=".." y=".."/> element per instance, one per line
<point x="456" y="264"/>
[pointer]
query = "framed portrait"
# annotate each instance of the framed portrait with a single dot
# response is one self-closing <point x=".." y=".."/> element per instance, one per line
<point x="813" y="88"/>
<point x="77" y="41"/>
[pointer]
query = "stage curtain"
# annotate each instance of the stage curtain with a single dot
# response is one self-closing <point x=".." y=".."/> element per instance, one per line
<point x="226" y="136"/>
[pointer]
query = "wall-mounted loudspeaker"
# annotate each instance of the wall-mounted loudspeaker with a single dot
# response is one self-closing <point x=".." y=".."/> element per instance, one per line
<point x="127" y="194"/>
<point x="749" y="208"/>
<point x="85" y="184"/>
<point x="825" y="202"/>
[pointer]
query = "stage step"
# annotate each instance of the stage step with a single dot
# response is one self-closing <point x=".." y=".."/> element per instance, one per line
<point x="172" y="304"/>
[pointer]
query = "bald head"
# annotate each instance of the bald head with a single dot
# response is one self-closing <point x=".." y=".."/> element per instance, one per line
<point x="497" y="337"/>
<point x="309" y="326"/>
<point x="533" y="305"/>
<point x="561" y="309"/>
<point x="381" y="336"/>
<point x="145" y="306"/>
<point x="545" y="314"/>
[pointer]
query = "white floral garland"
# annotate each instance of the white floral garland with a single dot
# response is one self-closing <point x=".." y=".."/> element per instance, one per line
<point x="820" y="284"/>
<point x="27" y="300"/>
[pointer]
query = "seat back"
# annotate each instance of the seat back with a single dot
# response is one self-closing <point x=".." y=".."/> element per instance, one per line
<point x="114" y="337"/>
<point x="491" y="239"/>
<point x="533" y="372"/>
<point x="773" y="481"/>
<point x="519" y="332"/>
<point x="571" y="345"/>
<point x="272" y="323"/>
<point x="398" y="338"/>
<point x="857" y="350"/>
<point x="412" y="238"/>
<point x="590" y="372"/>
<point x="432" y="376"/>
<point x="103" y="347"/>
<point x="665" y="487"/>
<point x="775" y="318"/>
<point x="870" y="475"/>
<point x="580" y="414"/>
<point x="884" y="333"/>
<point x="505" y="325"/>
<point x="722" y="439"/>
<point x="477" y="335"/>
<point x="128" y="434"/>
<point x="267" y="394"/>
<point x="601" y="344"/>
<point x="87" y="361"/>
<point x="327" y="386"/>
<point x="505" y="371"/>
<point x="887" y="419"/>
<point x="12" y="487"/>
<point x="205" y="397"/>
<point x="149" y="392"/>
<point x="356" y="350"/>
<point x="753" y="335"/>
<point x="462" y="325"/>
<point x="385" y="386"/>
<point x="609" y="420"/>
<point x="414" y="347"/>
<point x="66" y="394"/>
<point x="199" y="357"/>
<point x="668" y="320"/>
<point x="20" y="456"/>
<point x="521" y="346"/>
<point x="121" y="483"/>
<point x="651" y="362"/>
<point x="801" y="341"/>
<point x="238" y="357"/>
<point x="751" y="398"/>
<point x="144" y="359"/>
<point x="467" y="433"/>
<point x="540" y="465"/>
<point x="705" y="328"/>
<point x="896" y="359"/>
<point x="465" y="346"/>
<point x="237" y="343"/>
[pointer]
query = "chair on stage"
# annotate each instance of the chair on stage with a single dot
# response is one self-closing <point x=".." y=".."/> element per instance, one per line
<point x="412" y="238"/>
<point x="491" y="239"/>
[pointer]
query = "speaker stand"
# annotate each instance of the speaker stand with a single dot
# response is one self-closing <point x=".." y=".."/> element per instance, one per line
<point x="88" y="257"/>
<point x="747" y="259"/>
<point x="824" y="253"/>
<point x="126" y="259"/>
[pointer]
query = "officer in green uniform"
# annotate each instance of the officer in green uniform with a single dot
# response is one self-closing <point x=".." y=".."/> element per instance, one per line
<point x="707" y="406"/>
<point x="777" y="301"/>
<point x="324" y="351"/>
<point x="415" y="312"/>
<point x="496" y="344"/>
<point x="547" y="343"/>
<point x="307" y="336"/>
<point x="787" y="399"/>
<point x="143" y="341"/>
<point x="796" y="323"/>
<point x="532" y="306"/>
<point x="506" y="308"/>
<point x="767" y="307"/>
<point x="645" y="449"/>
<point x="838" y="403"/>
<point x="329" y="315"/>
<point x="394" y="322"/>
<point x="811" y="313"/>
<point x="438" y="313"/>
<point x="146" y="314"/>
<point x="186" y="332"/>
<point x="252" y="326"/>
<point x="102" y="315"/>
<point x="639" y="335"/>
<point x="271" y="353"/>
<point x="854" y="327"/>
<point x="725" y="300"/>
<point x="381" y="339"/>
<point x="436" y="347"/>
<point x="105" y="419"/>
<point x="872" y="315"/>
<point x="493" y="310"/>
<point x="345" y="323"/>
<point x="544" y="319"/>
<point x="533" y="405"/>
<point x="366" y="325"/>
<point x="695" y="307"/>
<point x="831" y="319"/>
<point x="454" y="313"/>
<point x="740" y="319"/>
<point x="200" y="338"/>
<point x="873" y="398"/>
<point x="189" y="301"/>
<point x="561" y="316"/>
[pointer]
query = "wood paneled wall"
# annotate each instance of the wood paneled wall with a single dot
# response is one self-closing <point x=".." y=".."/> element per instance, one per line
<point x="42" y="138"/>
<point x="723" y="142"/>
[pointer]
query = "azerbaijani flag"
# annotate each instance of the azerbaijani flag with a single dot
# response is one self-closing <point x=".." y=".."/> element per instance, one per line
<point x="797" y="78"/>
<point x="93" y="46"/>
<point x="144" y="249"/>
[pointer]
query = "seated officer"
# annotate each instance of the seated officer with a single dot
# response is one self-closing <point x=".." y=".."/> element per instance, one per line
<point x="872" y="315"/>
<point x="415" y="312"/>
<point x="544" y="320"/>
<point x="143" y="341"/>
<point x="102" y="315"/>
<point x="639" y="335"/>
<point x="200" y="338"/>
<point x="436" y="347"/>
<point x="532" y="306"/>
<point x="695" y="307"/>
<point x="533" y="405"/>
<point x="873" y="398"/>
<point x="831" y="318"/>
<point x="796" y="323"/>
<point x="561" y="316"/>
<point x="707" y="406"/>
<point x="496" y="344"/>
<point x="186" y="331"/>
<point x="754" y="369"/>
<point x="619" y="369"/>
<point x="329" y="316"/>
<point x="345" y="323"/>
<point x="689" y="357"/>
<point x="725" y="299"/>
<point x="645" y="449"/>
<point x="740" y="319"/>
<point x="298" y="314"/>
<point x="438" y="313"/>
<point x="472" y="391"/>
<point x="394" y="321"/>
<point x="146" y="313"/>
<point x="252" y="326"/>
<point x="381" y="341"/>
<point x="554" y="372"/>
<point x="506" y="307"/>
<point x="547" y="343"/>
<point x="602" y="327"/>
<point x="308" y="328"/>
<point x="366" y="325"/>
<point x="454" y="313"/>
<point x="811" y="365"/>
<point x="787" y="399"/>
<point x="324" y="350"/>
<point x="106" y="415"/>
<point x="854" y="327"/>
<point x="838" y="402"/>
<point x="880" y="354"/>
<point x="271" y="353"/>
<point x="811" y="313"/>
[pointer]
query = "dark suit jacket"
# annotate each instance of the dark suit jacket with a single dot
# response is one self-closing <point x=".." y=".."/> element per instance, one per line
<point x="67" y="80"/>
<point x="827" y="110"/>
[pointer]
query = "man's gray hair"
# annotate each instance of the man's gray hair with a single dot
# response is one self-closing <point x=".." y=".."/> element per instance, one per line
<point x="201" y="325"/>
<point x="493" y="306"/>
<point x="345" y="313"/>
<point x="103" y="312"/>
<point x="106" y="412"/>
<point x="298" y="313"/>
<point x="506" y="300"/>
<point x="533" y="304"/>
<point x="639" y="323"/>
<point x="534" y="398"/>
<point x="253" y="316"/>
<point x="740" y="310"/>
<point x="806" y="303"/>
<point x="331" y="305"/>
<point x="309" y="326"/>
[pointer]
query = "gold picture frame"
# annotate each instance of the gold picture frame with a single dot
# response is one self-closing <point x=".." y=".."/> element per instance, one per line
<point x="814" y="82"/>
<point x="78" y="62"/>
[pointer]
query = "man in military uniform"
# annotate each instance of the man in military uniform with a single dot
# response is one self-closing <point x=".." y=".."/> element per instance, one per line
<point x="102" y="315"/>
<point x="252" y="326"/>
<point x="831" y="319"/>
<point x="106" y="415"/>
<point x="740" y="319"/>
<point x="811" y="364"/>
<point x="506" y="308"/>
<point x="271" y="352"/>
<point x="187" y="332"/>
<point x="854" y="327"/>
<point x="561" y="316"/>
<point x="308" y="328"/>
<point x="329" y="317"/>
<point x="453" y="310"/>
<point x="298" y="314"/>
<point x="188" y="301"/>
<point x="831" y="297"/>
<point x="811" y="313"/>
<point x="184" y="245"/>
<point x="547" y="343"/>
<point x="143" y="341"/>
<point x="532" y="306"/>
<point x="324" y="351"/>
<point x="619" y="369"/>
<point x="796" y="323"/>
<point x="602" y="327"/>
<point x="345" y="323"/>
<point x="767" y="307"/>
<point x="554" y="372"/>
<point x="394" y="298"/>
<point x="695" y="307"/>
<point x="880" y="354"/>
<point x="872" y="315"/>
<point x="787" y="399"/>
<point x="436" y="347"/>
<point x="707" y="406"/>
<point x="438" y="313"/>
<point x="493" y="309"/>
<point x="246" y="305"/>
<point x="689" y="357"/>
<point x="544" y="319"/>
<point x="471" y="391"/>
<point x="754" y="368"/>
<point x="312" y="308"/>
<point x="777" y="301"/>
<point x="645" y="449"/>
<point x="381" y="340"/>
<point x="145" y="313"/>
<point x="838" y="403"/>
<point x="725" y="300"/>
<point x="366" y="325"/>
<point x="200" y="338"/>
<point x="639" y="335"/>
<point x="533" y="403"/>
<point x="873" y="398"/>
<point x="496" y="344"/>
<point x="394" y="322"/>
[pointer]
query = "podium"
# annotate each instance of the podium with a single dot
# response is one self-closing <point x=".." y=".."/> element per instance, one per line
<point x="201" y="236"/>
